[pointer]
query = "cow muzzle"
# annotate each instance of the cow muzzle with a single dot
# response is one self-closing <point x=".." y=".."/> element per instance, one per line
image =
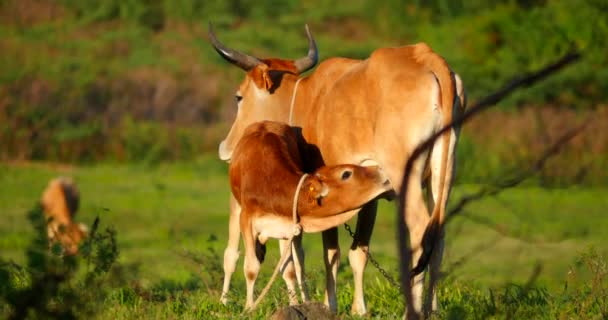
<point x="383" y="178"/>
<point x="223" y="152"/>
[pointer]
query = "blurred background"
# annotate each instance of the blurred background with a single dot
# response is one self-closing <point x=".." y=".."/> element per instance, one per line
<point x="130" y="99"/>
<point x="136" y="80"/>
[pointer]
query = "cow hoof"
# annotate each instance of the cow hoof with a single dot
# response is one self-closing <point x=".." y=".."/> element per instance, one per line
<point x="358" y="310"/>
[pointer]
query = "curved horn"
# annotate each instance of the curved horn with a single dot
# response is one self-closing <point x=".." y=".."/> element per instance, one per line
<point x="306" y="63"/>
<point x="244" y="61"/>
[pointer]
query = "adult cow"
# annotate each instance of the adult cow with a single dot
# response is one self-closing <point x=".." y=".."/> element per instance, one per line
<point x="372" y="111"/>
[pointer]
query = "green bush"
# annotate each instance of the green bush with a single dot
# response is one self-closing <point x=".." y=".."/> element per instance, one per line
<point x="49" y="286"/>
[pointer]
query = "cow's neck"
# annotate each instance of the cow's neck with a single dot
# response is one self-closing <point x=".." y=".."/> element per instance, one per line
<point x="305" y="105"/>
<point x="297" y="103"/>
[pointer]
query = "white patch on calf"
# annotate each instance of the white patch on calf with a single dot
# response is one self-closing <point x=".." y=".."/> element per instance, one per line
<point x="272" y="226"/>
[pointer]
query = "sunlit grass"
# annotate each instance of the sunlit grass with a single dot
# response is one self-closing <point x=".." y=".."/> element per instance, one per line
<point x="163" y="213"/>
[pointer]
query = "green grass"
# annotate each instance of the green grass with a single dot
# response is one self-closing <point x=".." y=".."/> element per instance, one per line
<point x="166" y="214"/>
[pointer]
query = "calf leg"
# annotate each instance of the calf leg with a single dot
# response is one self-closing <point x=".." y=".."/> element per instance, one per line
<point x="231" y="254"/>
<point x="357" y="256"/>
<point x="331" y="256"/>
<point x="251" y="266"/>
<point x="289" y="273"/>
<point x="298" y="259"/>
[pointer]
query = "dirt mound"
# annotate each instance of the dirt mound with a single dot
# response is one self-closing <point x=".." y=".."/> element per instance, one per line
<point x="311" y="310"/>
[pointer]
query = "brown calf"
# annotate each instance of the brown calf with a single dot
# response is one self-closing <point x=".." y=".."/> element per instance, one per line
<point x="265" y="170"/>
<point x="60" y="202"/>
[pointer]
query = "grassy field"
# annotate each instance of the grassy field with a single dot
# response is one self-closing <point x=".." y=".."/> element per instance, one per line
<point x="171" y="223"/>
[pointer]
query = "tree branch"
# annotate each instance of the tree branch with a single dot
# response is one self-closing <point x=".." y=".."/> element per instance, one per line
<point x="522" y="176"/>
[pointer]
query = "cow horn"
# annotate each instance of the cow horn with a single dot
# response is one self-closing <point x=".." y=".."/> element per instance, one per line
<point x="244" y="61"/>
<point x="305" y="63"/>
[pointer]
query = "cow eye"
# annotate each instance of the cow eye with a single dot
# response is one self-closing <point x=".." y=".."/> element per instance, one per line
<point x="346" y="174"/>
<point x="238" y="98"/>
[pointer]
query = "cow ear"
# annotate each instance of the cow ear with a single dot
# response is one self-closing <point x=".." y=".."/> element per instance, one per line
<point x="268" y="83"/>
<point x="261" y="77"/>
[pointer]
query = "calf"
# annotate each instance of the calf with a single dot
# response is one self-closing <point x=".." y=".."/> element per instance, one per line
<point x="60" y="202"/>
<point x="265" y="171"/>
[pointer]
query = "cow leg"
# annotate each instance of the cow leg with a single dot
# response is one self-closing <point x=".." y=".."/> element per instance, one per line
<point x="357" y="256"/>
<point x="416" y="219"/>
<point x="331" y="255"/>
<point x="298" y="256"/>
<point x="231" y="254"/>
<point x="431" y="304"/>
<point x="251" y="266"/>
<point x="289" y="274"/>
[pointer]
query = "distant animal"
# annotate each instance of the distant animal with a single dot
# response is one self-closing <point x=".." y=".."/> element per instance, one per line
<point x="374" y="110"/>
<point x="266" y="170"/>
<point x="60" y="201"/>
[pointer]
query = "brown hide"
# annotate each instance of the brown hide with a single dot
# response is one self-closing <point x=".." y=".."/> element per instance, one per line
<point x="266" y="168"/>
<point x="379" y="108"/>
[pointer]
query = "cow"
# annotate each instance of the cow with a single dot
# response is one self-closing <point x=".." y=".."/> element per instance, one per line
<point x="375" y="111"/>
<point x="268" y="181"/>
<point x="59" y="203"/>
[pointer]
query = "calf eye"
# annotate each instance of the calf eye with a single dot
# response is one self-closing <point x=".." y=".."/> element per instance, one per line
<point x="238" y="98"/>
<point x="346" y="174"/>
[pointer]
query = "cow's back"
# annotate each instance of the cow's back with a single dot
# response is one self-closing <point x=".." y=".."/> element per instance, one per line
<point x="366" y="108"/>
<point x="266" y="158"/>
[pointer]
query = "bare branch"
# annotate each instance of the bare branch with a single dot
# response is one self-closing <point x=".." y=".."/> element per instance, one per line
<point x="522" y="176"/>
<point x="464" y="258"/>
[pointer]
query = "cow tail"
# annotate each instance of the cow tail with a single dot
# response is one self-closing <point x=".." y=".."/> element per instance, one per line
<point x="434" y="229"/>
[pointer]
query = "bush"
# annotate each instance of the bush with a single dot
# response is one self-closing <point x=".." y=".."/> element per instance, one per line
<point x="49" y="286"/>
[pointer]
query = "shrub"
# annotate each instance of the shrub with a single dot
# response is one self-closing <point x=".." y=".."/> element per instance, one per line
<point x="48" y="287"/>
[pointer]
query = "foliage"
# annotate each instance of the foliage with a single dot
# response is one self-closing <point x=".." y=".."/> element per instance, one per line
<point x="588" y="299"/>
<point x="48" y="287"/>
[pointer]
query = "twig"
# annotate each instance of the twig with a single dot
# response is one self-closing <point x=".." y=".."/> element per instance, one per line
<point x="194" y="258"/>
<point x="504" y="185"/>
<point x="522" y="176"/>
<point x="464" y="258"/>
